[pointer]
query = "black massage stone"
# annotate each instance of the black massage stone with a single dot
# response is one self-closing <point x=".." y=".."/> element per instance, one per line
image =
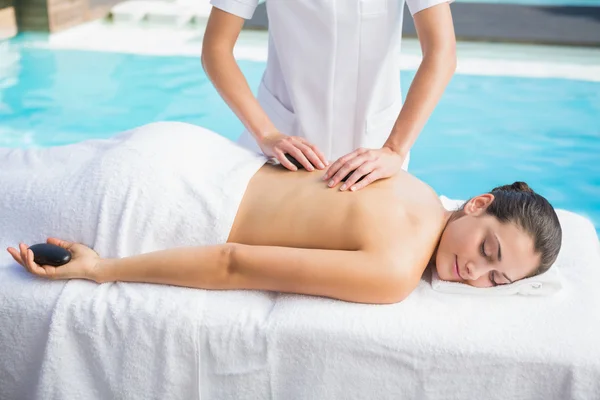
<point x="294" y="161"/>
<point x="299" y="166"/>
<point x="50" y="254"/>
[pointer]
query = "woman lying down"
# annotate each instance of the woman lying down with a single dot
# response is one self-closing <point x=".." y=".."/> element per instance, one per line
<point x="264" y="228"/>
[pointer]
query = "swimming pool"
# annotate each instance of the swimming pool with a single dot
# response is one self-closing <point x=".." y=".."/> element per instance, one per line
<point x="487" y="130"/>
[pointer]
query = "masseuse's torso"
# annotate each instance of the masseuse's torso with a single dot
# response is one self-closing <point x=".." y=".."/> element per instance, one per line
<point x="297" y="209"/>
<point x="332" y="72"/>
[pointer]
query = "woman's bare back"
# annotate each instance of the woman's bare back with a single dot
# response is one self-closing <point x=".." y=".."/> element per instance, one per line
<point x="297" y="209"/>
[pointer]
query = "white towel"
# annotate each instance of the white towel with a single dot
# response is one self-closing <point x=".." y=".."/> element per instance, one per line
<point x="159" y="186"/>
<point x="544" y="284"/>
<point x="136" y="341"/>
<point x="26" y="305"/>
<point x="436" y="346"/>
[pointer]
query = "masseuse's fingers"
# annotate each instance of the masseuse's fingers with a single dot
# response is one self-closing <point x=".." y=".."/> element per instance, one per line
<point x="316" y="156"/>
<point x="339" y="163"/>
<point x="277" y="145"/>
<point x="293" y="150"/>
<point x="364" y="171"/>
<point x="280" y="156"/>
<point x="302" y="151"/>
<point x="347" y="168"/>
<point x="308" y="150"/>
<point x="384" y="163"/>
<point x="375" y="175"/>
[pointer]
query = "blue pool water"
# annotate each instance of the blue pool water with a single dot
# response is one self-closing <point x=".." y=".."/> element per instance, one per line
<point x="486" y="131"/>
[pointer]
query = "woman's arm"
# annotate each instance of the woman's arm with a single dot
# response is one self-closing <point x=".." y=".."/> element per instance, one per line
<point x="221" y="34"/>
<point x="435" y="30"/>
<point x="356" y="276"/>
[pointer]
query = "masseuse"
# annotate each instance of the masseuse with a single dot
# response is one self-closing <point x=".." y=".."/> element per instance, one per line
<point x="331" y="88"/>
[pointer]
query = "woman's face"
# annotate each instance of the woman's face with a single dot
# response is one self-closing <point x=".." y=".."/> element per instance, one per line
<point x="478" y="250"/>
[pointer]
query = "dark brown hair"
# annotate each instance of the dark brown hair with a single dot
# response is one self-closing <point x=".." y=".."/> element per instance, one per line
<point x="519" y="204"/>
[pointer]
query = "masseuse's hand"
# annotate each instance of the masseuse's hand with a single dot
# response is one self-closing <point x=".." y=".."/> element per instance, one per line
<point x="82" y="265"/>
<point x="276" y="145"/>
<point x="373" y="164"/>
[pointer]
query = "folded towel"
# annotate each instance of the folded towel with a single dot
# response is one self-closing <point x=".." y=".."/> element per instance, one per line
<point x="544" y="284"/>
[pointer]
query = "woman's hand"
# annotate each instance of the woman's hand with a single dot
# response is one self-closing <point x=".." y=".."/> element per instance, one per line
<point x="277" y="145"/>
<point x="372" y="164"/>
<point x="82" y="265"/>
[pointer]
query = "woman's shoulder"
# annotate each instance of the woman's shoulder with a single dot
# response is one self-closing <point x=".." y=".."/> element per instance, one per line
<point x="408" y="219"/>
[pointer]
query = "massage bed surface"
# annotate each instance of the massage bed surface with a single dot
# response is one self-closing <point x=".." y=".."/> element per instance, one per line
<point x="80" y="340"/>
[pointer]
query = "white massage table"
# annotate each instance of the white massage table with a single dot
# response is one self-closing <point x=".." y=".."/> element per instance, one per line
<point x="138" y="341"/>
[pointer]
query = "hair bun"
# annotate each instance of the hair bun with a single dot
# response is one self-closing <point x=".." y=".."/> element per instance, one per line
<point x="515" y="187"/>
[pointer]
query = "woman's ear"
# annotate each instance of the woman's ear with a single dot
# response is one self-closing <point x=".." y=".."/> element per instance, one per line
<point x="478" y="204"/>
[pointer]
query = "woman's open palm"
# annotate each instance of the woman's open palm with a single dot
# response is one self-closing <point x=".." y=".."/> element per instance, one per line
<point x="82" y="264"/>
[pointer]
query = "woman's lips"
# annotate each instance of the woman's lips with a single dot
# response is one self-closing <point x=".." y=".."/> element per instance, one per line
<point x="456" y="268"/>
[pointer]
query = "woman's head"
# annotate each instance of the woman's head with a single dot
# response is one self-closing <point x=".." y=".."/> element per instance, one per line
<point x="499" y="237"/>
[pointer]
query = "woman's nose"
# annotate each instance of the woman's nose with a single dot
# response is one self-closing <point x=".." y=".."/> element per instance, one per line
<point x="476" y="270"/>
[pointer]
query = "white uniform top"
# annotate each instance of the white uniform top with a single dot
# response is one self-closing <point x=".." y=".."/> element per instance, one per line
<point x="332" y="72"/>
